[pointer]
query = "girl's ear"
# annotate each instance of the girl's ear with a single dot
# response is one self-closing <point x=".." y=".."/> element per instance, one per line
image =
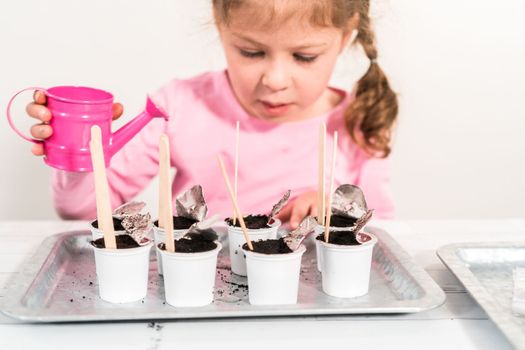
<point x="350" y="32"/>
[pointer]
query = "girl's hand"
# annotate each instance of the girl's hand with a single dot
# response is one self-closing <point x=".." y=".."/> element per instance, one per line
<point x="43" y="130"/>
<point x="296" y="210"/>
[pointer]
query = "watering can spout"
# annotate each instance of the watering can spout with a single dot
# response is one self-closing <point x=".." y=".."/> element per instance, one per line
<point x="129" y="130"/>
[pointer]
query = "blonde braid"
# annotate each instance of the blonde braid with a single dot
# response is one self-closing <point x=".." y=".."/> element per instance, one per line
<point x="371" y="116"/>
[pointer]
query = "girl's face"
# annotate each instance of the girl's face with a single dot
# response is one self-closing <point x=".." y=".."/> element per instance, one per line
<point x="281" y="73"/>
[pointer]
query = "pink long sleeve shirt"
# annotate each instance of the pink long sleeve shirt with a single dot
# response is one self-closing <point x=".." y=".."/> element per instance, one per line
<point x="273" y="157"/>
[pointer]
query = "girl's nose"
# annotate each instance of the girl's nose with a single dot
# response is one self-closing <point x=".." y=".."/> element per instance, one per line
<point x="276" y="77"/>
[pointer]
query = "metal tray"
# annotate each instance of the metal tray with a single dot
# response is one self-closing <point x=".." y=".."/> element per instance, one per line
<point x="485" y="269"/>
<point x="59" y="284"/>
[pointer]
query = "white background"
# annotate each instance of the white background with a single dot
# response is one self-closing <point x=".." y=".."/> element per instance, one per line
<point x="458" y="66"/>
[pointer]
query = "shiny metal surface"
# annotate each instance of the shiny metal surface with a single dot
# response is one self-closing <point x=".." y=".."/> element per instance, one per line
<point x="58" y="284"/>
<point x="191" y="204"/>
<point x="485" y="269"/>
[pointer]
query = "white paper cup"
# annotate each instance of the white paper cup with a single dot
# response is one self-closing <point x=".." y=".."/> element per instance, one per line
<point x="317" y="231"/>
<point x="122" y="273"/>
<point x="236" y="240"/>
<point x="273" y="279"/>
<point x="318" y="254"/>
<point x="97" y="233"/>
<point x="159" y="236"/>
<point x="189" y="278"/>
<point x="345" y="269"/>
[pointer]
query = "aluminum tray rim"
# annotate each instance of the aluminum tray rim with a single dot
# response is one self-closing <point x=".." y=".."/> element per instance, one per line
<point x="448" y="254"/>
<point x="21" y="281"/>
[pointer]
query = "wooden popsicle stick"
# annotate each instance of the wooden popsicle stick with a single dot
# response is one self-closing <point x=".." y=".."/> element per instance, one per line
<point x="165" y="195"/>
<point x="162" y="200"/>
<point x="321" y="195"/>
<point x="235" y="176"/>
<point x="162" y="195"/>
<point x="234" y="201"/>
<point x="104" y="212"/>
<point x="329" y="207"/>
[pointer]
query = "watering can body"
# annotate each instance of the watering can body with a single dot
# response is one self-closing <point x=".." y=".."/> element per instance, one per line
<point x="74" y="110"/>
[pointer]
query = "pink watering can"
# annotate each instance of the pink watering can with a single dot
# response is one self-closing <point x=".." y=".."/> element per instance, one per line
<point x="74" y="110"/>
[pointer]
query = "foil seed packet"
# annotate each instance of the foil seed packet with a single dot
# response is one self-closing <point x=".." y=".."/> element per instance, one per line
<point x="279" y="206"/>
<point x="127" y="209"/>
<point x="294" y="239"/>
<point x="191" y="204"/>
<point x="361" y="222"/>
<point x="136" y="224"/>
<point x="349" y="201"/>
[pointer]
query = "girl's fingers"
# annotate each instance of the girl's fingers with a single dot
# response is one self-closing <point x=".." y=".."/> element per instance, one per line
<point x="313" y="210"/>
<point x="39" y="97"/>
<point x="41" y="131"/>
<point x="38" y="149"/>
<point x="39" y="112"/>
<point x="284" y="214"/>
<point x="118" y="109"/>
<point x="299" y="212"/>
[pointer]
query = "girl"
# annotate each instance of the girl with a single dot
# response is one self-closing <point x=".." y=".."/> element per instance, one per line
<point x="280" y="56"/>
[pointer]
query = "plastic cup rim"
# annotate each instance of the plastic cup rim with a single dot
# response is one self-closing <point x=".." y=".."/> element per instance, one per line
<point x="73" y="100"/>
<point x="97" y="229"/>
<point x="162" y="231"/>
<point x="194" y="255"/>
<point x="135" y="250"/>
<point x="364" y="245"/>
<point x="236" y="229"/>
<point x="300" y="250"/>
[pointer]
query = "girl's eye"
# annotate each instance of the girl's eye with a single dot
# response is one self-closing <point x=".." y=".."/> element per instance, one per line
<point x="251" y="54"/>
<point x="304" y="58"/>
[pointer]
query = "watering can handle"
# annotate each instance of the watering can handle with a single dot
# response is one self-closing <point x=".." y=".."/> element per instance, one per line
<point x="8" y="112"/>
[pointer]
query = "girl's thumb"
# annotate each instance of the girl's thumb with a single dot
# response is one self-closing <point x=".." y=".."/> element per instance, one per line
<point x="118" y="109"/>
<point x="298" y="214"/>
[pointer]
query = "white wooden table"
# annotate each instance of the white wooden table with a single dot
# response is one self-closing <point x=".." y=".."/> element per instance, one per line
<point x="458" y="324"/>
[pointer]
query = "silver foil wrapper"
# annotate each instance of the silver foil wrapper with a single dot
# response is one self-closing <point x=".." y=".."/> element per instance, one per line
<point x="361" y="222"/>
<point x="282" y="202"/>
<point x="137" y="226"/>
<point x="294" y="239"/>
<point x="349" y="201"/>
<point x="127" y="209"/>
<point x="191" y="204"/>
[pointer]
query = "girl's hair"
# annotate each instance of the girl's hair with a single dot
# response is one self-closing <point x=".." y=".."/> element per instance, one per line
<point x="371" y="116"/>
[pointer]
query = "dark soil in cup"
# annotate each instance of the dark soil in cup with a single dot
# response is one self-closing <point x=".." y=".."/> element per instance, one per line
<point x="180" y="222"/>
<point x="123" y="242"/>
<point x="340" y="238"/>
<point x="252" y="221"/>
<point x="269" y="246"/>
<point x="184" y="245"/>
<point x="341" y="221"/>
<point x="117" y="224"/>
